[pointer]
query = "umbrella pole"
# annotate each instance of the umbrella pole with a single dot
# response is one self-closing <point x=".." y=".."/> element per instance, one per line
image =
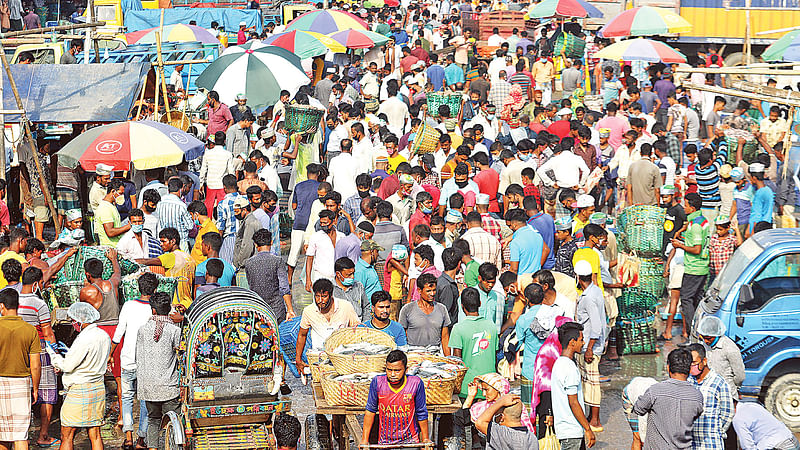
<point x="46" y="191"/>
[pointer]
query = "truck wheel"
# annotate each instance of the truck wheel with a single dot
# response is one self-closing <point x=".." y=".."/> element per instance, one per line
<point x="318" y="433"/>
<point x="783" y="400"/>
<point x="737" y="59"/>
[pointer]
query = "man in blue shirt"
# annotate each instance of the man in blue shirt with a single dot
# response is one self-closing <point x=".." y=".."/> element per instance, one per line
<point x="763" y="199"/>
<point x="452" y="73"/>
<point x="544" y="224"/>
<point x="436" y="73"/>
<point x="305" y="193"/>
<point x="212" y="243"/>
<point x="381" y="304"/>
<point x="534" y="295"/>
<point x="365" y="271"/>
<point x="528" y="250"/>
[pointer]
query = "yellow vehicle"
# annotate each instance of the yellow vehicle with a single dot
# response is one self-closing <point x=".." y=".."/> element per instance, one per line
<point x="112" y="13"/>
<point x="50" y="52"/>
<point x="292" y="11"/>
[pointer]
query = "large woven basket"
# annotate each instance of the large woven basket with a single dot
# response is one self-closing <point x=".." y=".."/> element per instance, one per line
<point x="320" y="370"/>
<point x="439" y="391"/>
<point x="347" y="364"/>
<point x="639" y="334"/>
<point x="63" y="294"/>
<point x="436" y="99"/>
<point x="635" y="302"/>
<point x="177" y="119"/>
<point x="302" y="118"/>
<point x="344" y="393"/>
<point x="651" y="276"/>
<point x="749" y="150"/>
<point x="570" y="45"/>
<point x="642" y="230"/>
<point x="130" y="285"/>
<point x="416" y="358"/>
<point x="426" y="140"/>
<point x="73" y="268"/>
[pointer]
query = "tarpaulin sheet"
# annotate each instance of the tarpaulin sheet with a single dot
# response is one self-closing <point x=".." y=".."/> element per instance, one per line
<point x="69" y="93"/>
<point x="226" y="17"/>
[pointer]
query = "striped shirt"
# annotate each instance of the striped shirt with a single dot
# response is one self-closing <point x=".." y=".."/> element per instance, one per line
<point x="523" y="80"/>
<point x="352" y="205"/>
<point x="34" y="311"/>
<point x="708" y="178"/>
<point x="672" y="407"/>
<point x="709" y="428"/>
<point x="217" y="162"/>
<point x="226" y="222"/>
<point x="172" y="213"/>
<point x="499" y="91"/>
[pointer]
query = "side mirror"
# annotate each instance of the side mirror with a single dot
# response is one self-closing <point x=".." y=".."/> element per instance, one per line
<point x="745" y="297"/>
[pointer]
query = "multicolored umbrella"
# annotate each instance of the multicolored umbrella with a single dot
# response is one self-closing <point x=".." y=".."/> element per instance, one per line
<point x="326" y="22"/>
<point x="145" y="144"/>
<point x="381" y="3"/>
<point x="645" y="21"/>
<point x="641" y="49"/>
<point x="787" y="48"/>
<point x="563" y="8"/>
<point x="172" y="33"/>
<point x="305" y="44"/>
<point x="359" y="38"/>
<point x="258" y="70"/>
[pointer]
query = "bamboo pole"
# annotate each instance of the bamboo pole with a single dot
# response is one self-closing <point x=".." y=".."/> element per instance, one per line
<point x="76" y="26"/>
<point x="161" y="72"/>
<point x="742" y="94"/>
<point x="736" y="71"/>
<point x="14" y="42"/>
<point x="46" y="191"/>
<point x="185" y="61"/>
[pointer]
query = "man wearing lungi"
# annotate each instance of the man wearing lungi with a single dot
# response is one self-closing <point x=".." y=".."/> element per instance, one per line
<point x="20" y="367"/>
<point x="83" y="368"/>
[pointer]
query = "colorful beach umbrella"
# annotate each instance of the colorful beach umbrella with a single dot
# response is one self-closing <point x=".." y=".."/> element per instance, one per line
<point x="563" y="8"/>
<point x="787" y="48"/>
<point x="381" y="3"/>
<point x="145" y="144"/>
<point x="305" y="44"/>
<point x="326" y="22"/>
<point x="258" y="70"/>
<point x="359" y="38"/>
<point x="645" y="21"/>
<point x="172" y="33"/>
<point x="641" y="49"/>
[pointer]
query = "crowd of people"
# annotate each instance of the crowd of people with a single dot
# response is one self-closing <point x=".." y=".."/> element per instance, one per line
<point x="495" y="245"/>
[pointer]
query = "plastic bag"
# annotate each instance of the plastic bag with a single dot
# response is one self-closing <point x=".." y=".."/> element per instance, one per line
<point x="549" y="441"/>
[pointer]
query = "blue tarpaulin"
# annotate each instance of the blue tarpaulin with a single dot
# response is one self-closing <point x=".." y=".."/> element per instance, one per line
<point x="226" y="17"/>
<point x="131" y="5"/>
<point x="69" y="93"/>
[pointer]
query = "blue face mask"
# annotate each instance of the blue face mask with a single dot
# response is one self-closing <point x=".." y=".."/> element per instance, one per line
<point x="524" y="156"/>
<point x="137" y="227"/>
<point x="348" y="281"/>
<point x="197" y="222"/>
<point x="426" y="210"/>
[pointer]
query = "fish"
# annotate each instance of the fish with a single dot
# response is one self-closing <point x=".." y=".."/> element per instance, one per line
<point x="357" y="377"/>
<point x="362" y="348"/>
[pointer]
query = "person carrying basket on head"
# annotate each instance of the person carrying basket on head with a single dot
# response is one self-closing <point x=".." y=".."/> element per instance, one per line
<point x="398" y="400"/>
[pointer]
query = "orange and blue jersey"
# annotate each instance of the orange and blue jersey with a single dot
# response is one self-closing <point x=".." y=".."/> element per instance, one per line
<point x="399" y="411"/>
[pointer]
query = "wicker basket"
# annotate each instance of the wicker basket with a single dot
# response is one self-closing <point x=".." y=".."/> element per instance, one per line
<point x="426" y="140"/>
<point x="749" y="150"/>
<point x="347" y="364"/>
<point x="436" y="99"/>
<point x="73" y="268"/>
<point x="571" y="45"/>
<point x="643" y="230"/>
<point x="639" y="334"/>
<point x="344" y="393"/>
<point x="320" y="370"/>
<point x="63" y="294"/>
<point x="634" y="302"/>
<point x="130" y="285"/>
<point x="416" y="358"/>
<point x="651" y="276"/>
<point x="439" y="391"/>
<point x="177" y="119"/>
<point x="302" y="118"/>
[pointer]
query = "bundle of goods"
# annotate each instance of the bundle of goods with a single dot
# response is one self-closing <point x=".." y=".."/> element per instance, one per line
<point x="635" y="302"/>
<point x="570" y="45"/>
<point x="642" y="230"/>
<point x="437" y="99"/>
<point x="358" y="350"/>
<point x="651" y="276"/>
<point x="73" y="269"/>
<point x="639" y="334"/>
<point x="426" y="140"/>
<point x="61" y="295"/>
<point x="130" y="285"/>
<point x="593" y="102"/>
<point x="749" y="149"/>
<point x="302" y="118"/>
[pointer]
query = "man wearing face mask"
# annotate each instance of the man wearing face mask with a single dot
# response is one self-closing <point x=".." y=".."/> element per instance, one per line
<point x="320" y="254"/>
<point x="249" y="224"/>
<point x="708" y="431"/>
<point x="346" y="288"/>
<point x="137" y="243"/>
<point x="108" y="224"/>
<point x="512" y="174"/>
<point x="199" y="213"/>
<point x="365" y="272"/>
<point x="422" y="216"/>
<point x="459" y="183"/>
<point x="352" y="204"/>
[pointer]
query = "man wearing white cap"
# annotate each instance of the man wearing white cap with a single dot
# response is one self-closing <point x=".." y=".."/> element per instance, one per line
<point x="83" y="368"/>
<point x="241" y="35"/>
<point x="763" y="199"/>
<point x="591" y="313"/>
<point x="103" y="174"/>
<point x="240" y="109"/>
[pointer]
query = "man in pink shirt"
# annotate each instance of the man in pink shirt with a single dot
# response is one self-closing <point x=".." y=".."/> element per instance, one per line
<point x="219" y="116"/>
<point x="616" y="124"/>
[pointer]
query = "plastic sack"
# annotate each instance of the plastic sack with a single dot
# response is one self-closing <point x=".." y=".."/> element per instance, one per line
<point x="549" y="441"/>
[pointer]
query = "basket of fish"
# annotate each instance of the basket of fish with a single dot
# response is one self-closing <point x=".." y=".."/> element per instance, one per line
<point x="319" y="364"/>
<point x="358" y="350"/>
<point x="347" y="390"/>
<point x="440" y="383"/>
<point x="438" y="365"/>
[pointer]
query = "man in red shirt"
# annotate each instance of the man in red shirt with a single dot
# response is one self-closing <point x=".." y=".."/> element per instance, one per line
<point x="422" y="216"/>
<point x="561" y="127"/>
<point x="219" y="116"/>
<point x="488" y="181"/>
<point x="407" y="60"/>
<point x="420" y="52"/>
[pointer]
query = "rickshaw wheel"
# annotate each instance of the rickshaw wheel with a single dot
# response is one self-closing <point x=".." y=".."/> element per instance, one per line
<point x="318" y="432"/>
<point x="168" y="435"/>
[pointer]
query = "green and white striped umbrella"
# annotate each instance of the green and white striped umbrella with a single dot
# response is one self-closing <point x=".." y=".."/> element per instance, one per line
<point x="259" y="71"/>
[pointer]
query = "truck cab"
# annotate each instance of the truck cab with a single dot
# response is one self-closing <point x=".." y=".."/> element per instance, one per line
<point x="757" y="297"/>
<point x="113" y="13"/>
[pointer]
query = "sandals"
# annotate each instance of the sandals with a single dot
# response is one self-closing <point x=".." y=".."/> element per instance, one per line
<point x="127" y="445"/>
<point x="54" y="443"/>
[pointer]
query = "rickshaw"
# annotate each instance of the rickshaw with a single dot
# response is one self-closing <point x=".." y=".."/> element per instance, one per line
<point x="230" y="373"/>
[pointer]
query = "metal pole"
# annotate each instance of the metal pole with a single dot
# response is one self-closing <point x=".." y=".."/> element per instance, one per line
<point x="76" y="26"/>
<point x="737" y="71"/>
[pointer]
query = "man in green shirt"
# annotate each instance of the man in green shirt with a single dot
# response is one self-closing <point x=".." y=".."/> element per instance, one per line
<point x="492" y="308"/>
<point x="474" y="339"/>
<point x="107" y="223"/>
<point x="695" y="257"/>
<point x="470" y="265"/>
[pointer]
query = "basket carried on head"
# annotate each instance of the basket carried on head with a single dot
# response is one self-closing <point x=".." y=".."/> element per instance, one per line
<point x="426" y="140"/>
<point x="571" y="45"/>
<point x="634" y="302"/>
<point x="302" y="118"/>
<point x="749" y="150"/>
<point x="643" y="230"/>
<point x="344" y="393"/>
<point x="639" y="334"/>
<point x="437" y="99"/>
<point x="130" y="285"/>
<point x="177" y="119"/>
<point x="417" y="358"/>
<point x="358" y="363"/>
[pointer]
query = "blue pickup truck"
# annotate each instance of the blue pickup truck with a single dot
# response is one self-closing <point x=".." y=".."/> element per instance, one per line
<point x="757" y="296"/>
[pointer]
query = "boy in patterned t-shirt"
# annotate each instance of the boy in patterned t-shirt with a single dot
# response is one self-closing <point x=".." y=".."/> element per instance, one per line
<point x="399" y="402"/>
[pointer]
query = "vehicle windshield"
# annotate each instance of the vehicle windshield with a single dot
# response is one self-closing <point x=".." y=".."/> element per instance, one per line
<point x="105" y="12"/>
<point x="743" y="256"/>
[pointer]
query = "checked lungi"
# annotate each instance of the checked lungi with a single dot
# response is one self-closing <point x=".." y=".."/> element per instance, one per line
<point x="84" y="405"/>
<point x="15" y="408"/>
<point x="590" y="375"/>
<point x="67" y="199"/>
<point x="48" y="384"/>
